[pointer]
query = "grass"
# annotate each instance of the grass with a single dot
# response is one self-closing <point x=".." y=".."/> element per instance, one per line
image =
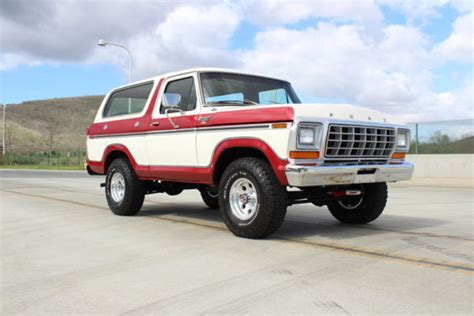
<point x="41" y="167"/>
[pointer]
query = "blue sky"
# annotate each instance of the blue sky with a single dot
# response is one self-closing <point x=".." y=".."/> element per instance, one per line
<point x="24" y="83"/>
<point x="70" y="64"/>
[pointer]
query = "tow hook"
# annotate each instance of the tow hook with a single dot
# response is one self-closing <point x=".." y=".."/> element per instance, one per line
<point x="342" y="193"/>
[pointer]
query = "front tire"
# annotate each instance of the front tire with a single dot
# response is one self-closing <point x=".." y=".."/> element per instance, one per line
<point x="252" y="201"/>
<point x="125" y="193"/>
<point x="364" y="209"/>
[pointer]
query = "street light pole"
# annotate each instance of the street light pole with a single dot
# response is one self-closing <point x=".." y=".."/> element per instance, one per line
<point x="4" y="134"/>
<point x="104" y="43"/>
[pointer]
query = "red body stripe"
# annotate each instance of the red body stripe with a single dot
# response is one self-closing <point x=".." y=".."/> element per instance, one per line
<point x="203" y="175"/>
<point x="261" y="115"/>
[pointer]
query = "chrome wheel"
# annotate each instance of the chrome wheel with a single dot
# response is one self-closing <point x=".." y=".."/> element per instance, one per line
<point x="243" y="199"/>
<point x="117" y="187"/>
<point x="351" y="204"/>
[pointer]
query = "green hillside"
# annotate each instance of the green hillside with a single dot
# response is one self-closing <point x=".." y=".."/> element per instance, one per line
<point x="462" y="146"/>
<point x="58" y="124"/>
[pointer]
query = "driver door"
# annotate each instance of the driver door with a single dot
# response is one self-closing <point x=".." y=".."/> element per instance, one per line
<point x="171" y="139"/>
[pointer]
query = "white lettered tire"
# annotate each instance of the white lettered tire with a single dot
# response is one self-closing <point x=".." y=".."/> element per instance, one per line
<point x="252" y="202"/>
<point x="124" y="191"/>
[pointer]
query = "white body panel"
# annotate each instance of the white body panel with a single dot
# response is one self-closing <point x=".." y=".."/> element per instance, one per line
<point x="317" y="112"/>
<point x="207" y="141"/>
<point x="135" y="144"/>
<point x="195" y="147"/>
<point x="172" y="149"/>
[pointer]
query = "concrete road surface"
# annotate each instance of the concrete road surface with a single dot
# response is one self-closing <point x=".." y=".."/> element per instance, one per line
<point x="63" y="251"/>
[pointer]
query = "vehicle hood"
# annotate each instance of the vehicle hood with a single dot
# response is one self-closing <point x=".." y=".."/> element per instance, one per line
<point x="345" y="112"/>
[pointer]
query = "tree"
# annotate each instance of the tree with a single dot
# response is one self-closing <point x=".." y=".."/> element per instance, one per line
<point x="54" y="126"/>
<point x="439" y="139"/>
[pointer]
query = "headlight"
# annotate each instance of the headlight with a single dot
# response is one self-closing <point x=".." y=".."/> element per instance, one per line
<point x="309" y="135"/>
<point x="403" y="139"/>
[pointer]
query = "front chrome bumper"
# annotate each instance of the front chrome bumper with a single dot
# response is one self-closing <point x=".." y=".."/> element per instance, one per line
<point x="303" y="176"/>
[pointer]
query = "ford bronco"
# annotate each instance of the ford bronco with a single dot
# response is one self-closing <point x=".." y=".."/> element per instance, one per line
<point x="248" y="144"/>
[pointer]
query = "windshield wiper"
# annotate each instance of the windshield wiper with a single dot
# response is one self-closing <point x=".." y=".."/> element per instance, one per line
<point x="233" y="102"/>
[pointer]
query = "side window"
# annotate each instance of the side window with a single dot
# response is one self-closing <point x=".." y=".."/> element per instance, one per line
<point x="128" y="100"/>
<point x="183" y="92"/>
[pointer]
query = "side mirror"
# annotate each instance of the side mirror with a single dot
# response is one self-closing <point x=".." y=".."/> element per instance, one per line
<point x="170" y="100"/>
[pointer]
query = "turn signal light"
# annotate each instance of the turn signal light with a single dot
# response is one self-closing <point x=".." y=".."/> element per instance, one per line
<point x="279" y="125"/>
<point x="304" y="154"/>
<point x="399" y="155"/>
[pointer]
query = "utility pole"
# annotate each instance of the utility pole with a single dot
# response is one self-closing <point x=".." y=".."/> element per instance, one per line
<point x="4" y="143"/>
<point x="416" y="142"/>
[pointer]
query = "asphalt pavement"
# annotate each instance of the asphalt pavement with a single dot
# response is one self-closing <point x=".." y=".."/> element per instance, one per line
<point x="63" y="251"/>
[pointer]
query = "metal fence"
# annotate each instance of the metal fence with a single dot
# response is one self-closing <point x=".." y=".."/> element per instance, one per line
<point x="68" y="159"/>
<point x="443" y="137"/>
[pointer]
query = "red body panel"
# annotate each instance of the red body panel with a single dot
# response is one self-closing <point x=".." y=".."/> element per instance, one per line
<point x="202" y="175"/>
<point x="251" y="116"/>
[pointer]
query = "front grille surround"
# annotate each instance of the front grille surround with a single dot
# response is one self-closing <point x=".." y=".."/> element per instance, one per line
<point x="358" y="141"/>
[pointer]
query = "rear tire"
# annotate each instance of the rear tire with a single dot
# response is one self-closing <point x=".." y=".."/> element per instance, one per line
<point x="364" y="210"/>
<point x="210" y="197"/>
<point x="251" y="199"/>
<point x="125" y="193"/>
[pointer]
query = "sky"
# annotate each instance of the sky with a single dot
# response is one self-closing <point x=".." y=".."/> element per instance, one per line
<point x="411" y="59"/>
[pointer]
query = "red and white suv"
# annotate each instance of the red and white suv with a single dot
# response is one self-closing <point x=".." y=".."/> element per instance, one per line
<point x="248" y="144"/>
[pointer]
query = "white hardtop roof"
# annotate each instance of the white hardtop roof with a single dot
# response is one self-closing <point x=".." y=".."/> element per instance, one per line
<point x="201" y="69"/>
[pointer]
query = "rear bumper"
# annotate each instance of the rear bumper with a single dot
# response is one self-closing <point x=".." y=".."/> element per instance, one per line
<point x="302" y="176"/>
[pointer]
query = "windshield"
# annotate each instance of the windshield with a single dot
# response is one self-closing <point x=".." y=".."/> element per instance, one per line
<point x="225" y="88"/>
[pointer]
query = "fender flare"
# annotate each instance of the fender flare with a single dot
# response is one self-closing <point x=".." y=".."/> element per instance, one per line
<point x="278" y="165"/>
<point x="99" y="167"/>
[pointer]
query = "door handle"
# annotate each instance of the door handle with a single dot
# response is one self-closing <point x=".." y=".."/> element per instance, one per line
<point x="204" y="119"/>
<point x="155" y="123"/>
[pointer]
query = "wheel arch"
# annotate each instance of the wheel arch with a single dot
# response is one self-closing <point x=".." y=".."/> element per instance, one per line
<point x="230" y="150"/>
<point x="115" y="151"/>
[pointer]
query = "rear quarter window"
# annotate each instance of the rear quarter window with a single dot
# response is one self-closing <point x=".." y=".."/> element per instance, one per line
<point x="129" y="100"/>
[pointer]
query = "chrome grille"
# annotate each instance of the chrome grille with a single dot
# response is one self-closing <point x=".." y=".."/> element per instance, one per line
<point x="351" y="141"/>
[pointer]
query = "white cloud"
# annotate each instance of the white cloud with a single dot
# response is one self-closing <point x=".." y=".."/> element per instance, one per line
<point x="277" y="12"/>
<point x="184" y="40"/>
<point x="9" y="61"/>
<point x="353" y="55"/>
<point x="65" y="31"/>
<point x="462" y="5"/>
<point x="417" y="11"/>
<point x="340" y="61"/>
<point x="455" y="104"/>
<point x="459" y="45"/>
